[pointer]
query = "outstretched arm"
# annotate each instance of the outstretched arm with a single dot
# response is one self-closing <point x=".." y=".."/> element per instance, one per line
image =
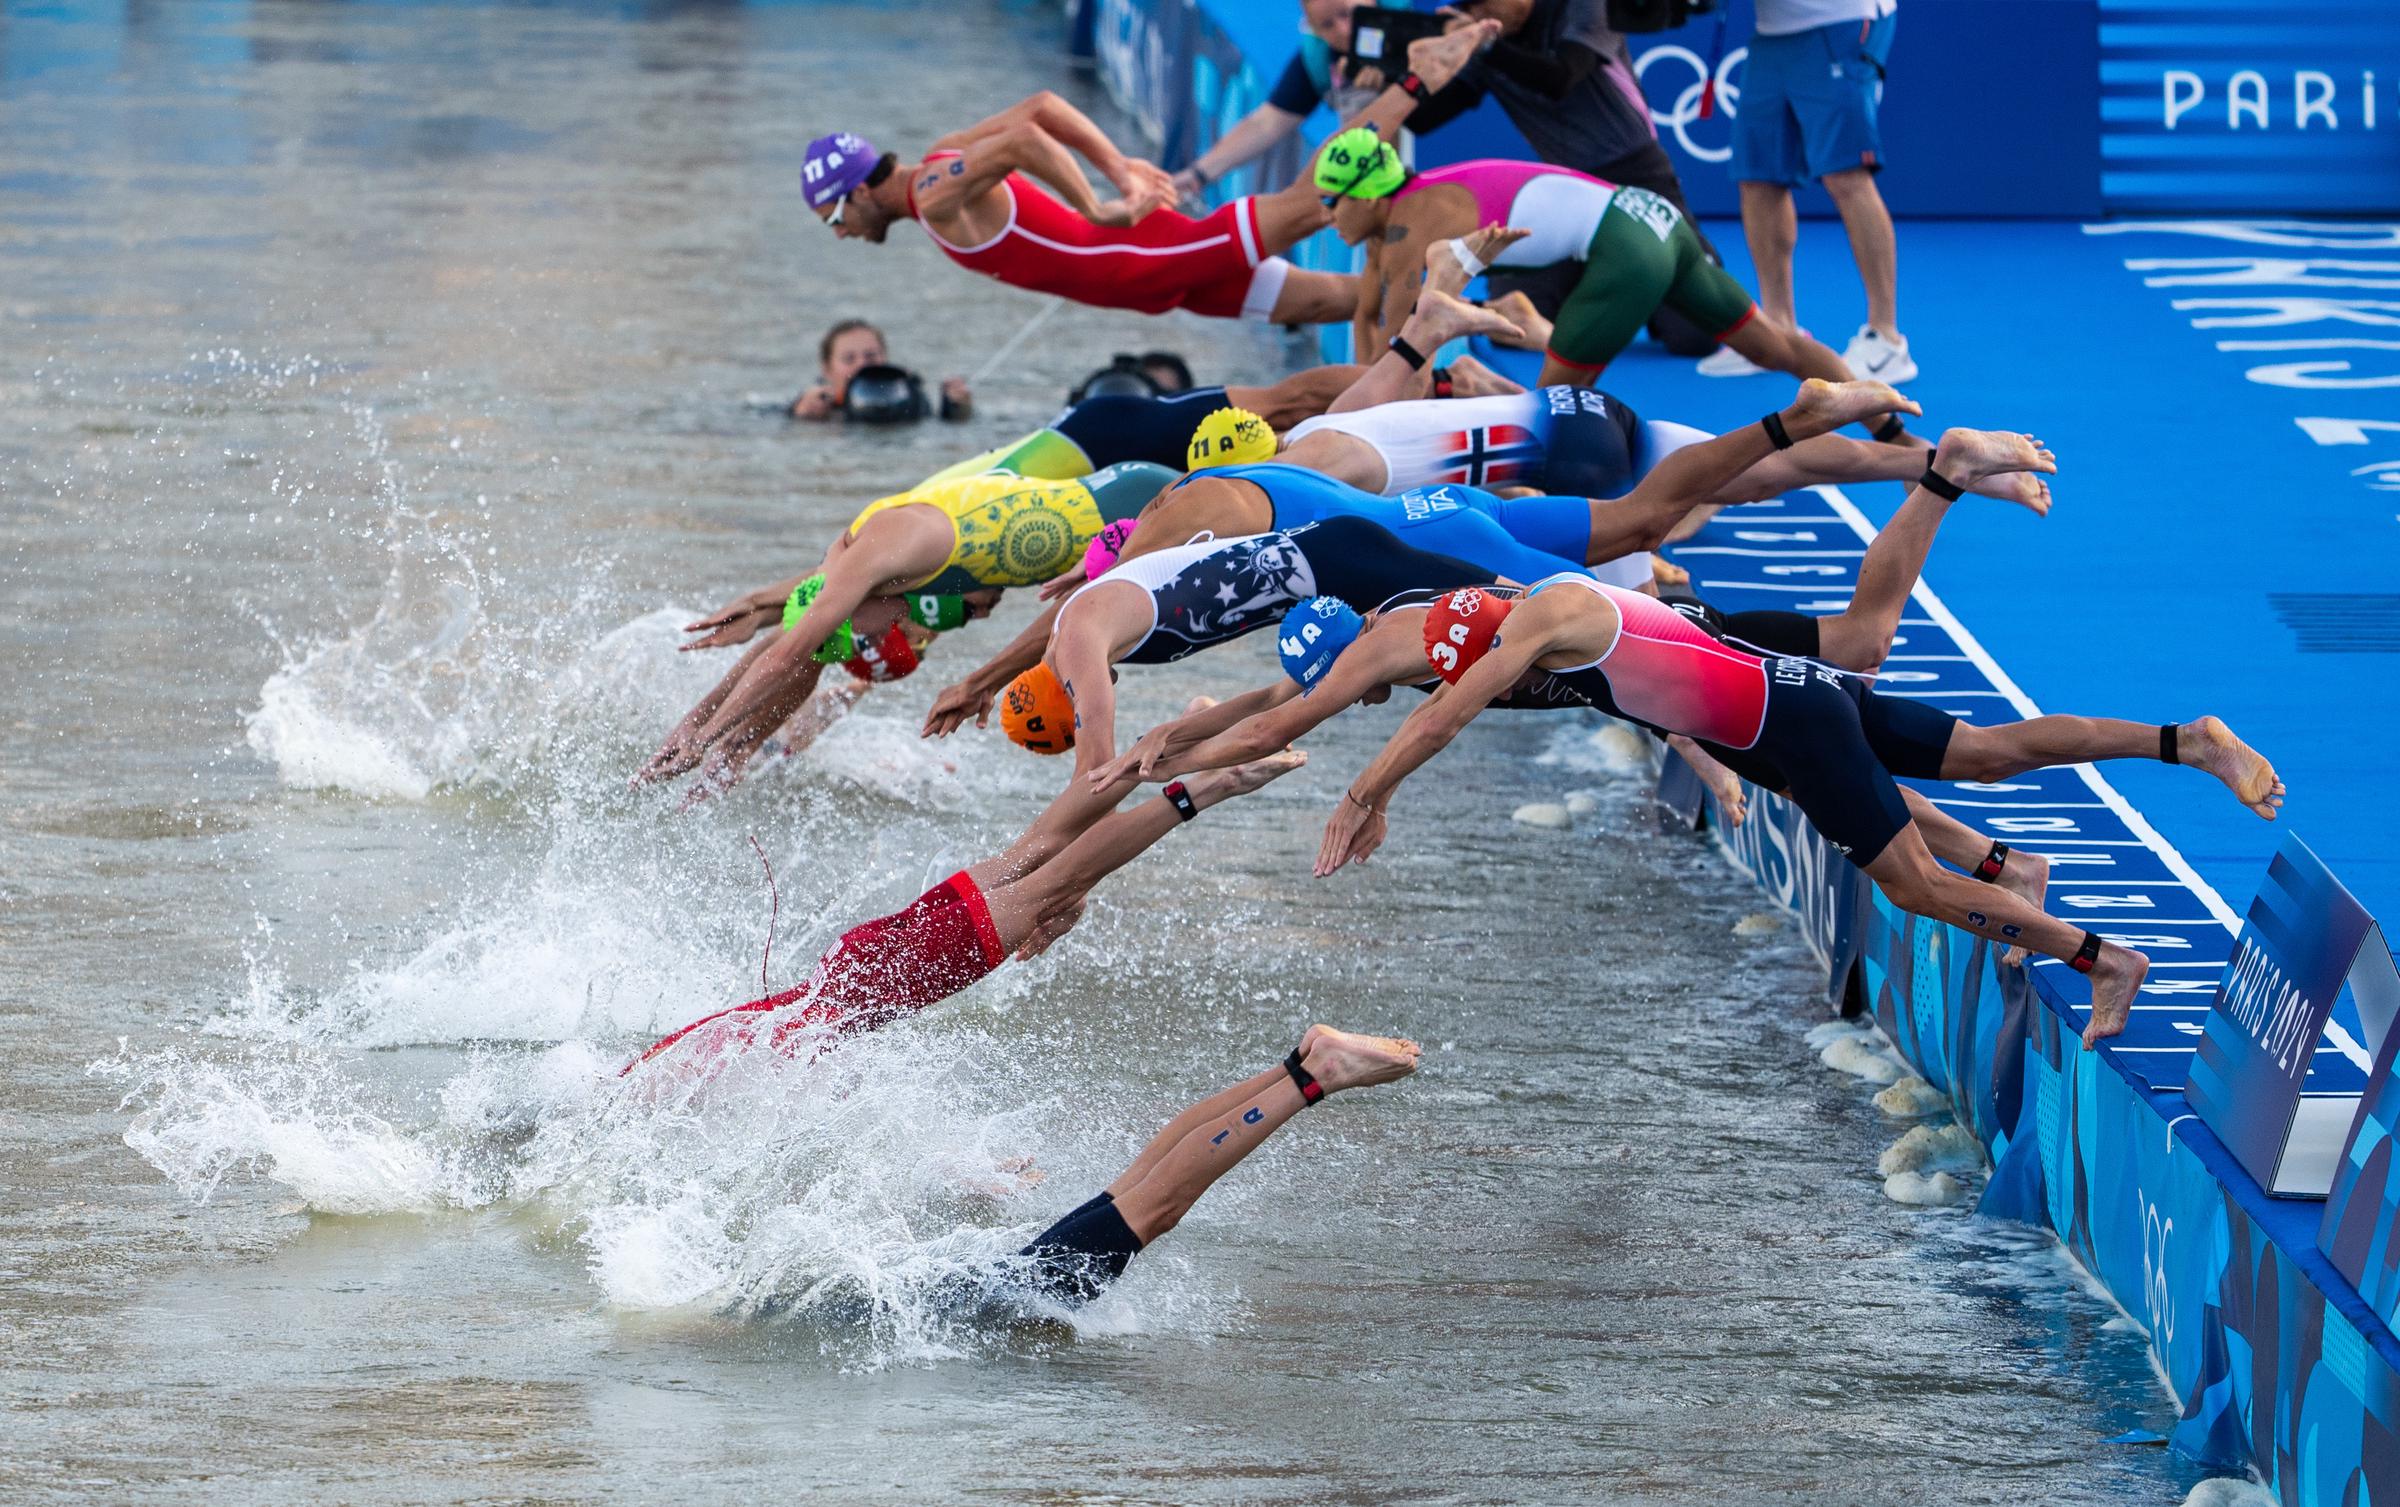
<point x="781" y="676"/>
<point x="1356" y="828"/>
<point x="1171" y="738"/>
<point x="972" y="695"/>
<point x="944" y="188"/>
<point x="1038" y="135"/>
<point x="1081" y="660"/>
<point x="1390" y="654"/>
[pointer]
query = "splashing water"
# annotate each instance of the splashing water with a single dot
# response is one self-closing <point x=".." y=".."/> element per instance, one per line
<point x="875" y="1194"/>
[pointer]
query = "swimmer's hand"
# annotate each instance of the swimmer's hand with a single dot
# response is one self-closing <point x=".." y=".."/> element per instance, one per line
<point x="1732" y="798"/>
<point x="1352" y="833"/>
<point x="742" y="619"/>
<point x="1048" y="930"/>
<point x="1470" y="378"/>
<point x="680" y="752"/>
<point x="1062" y="583"/>
<point x="816" y="403"/>
<point x="1358" y="75"/>
<point x="719" y="772"/>
<point x="954" y="706"/>
<point x="1437" y="60"/>
<point x="1133" y="208"/>
<point x="1160" y="742"/>
<point x="1140" y="176"/>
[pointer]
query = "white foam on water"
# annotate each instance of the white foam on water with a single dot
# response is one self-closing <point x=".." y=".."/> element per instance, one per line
<point x="1546" y="815"/>
<point x="1861" y="1056"/>
<point x="1937" y="1190"/>
<point x="283" y="1117"/>
<point x="1597" y="745"/>
<point x="1932" y="1148"/>
<point x="1910" y="1098"/>
<point x="1825" y="1032"/>
<point x="1765" y="923"/>
<point x="2230" y="1491"/>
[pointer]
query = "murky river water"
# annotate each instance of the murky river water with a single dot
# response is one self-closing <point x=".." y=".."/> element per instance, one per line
<point x="376" y="402"/>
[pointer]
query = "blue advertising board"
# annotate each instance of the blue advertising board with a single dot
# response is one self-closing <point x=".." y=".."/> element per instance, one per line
<point x="2361" y="1229"/>
<point x="2231" y="105"/>
<point x="2268" y="1019"/>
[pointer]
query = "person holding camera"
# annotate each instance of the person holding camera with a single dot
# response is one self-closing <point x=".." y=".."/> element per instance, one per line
<point x="856" y="380"/>
<point x="1810" y="93"/>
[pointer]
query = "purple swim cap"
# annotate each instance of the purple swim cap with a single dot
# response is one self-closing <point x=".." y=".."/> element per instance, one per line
<point x="1100" y="556"/>
<point x="836" y="166"/>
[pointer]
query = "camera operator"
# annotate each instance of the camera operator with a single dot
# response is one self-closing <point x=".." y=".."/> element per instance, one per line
<point x="856" y="380"/>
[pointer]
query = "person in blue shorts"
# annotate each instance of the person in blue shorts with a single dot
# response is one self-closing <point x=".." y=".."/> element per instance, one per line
<point x="1810" y="94"/>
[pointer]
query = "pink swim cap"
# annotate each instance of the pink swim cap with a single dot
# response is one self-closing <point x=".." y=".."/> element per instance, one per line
<point x="1101" y="554"/>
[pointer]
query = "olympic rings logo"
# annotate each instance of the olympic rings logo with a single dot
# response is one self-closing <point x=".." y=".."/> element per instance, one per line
<point x="1687" y="104"/>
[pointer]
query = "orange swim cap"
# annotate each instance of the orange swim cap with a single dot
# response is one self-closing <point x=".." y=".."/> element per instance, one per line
<point x="1037" y="713"/>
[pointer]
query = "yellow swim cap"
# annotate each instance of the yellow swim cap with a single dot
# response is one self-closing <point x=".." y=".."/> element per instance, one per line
<point x="1229" y="437"/>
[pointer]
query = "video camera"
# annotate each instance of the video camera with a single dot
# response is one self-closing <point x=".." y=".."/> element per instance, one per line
<point x="1379" y="35"/>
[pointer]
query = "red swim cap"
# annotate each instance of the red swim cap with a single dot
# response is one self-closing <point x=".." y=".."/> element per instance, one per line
<point x="1461" y="628"/>
<point x="890" y="656"/>
<point x="1037" y="713"/>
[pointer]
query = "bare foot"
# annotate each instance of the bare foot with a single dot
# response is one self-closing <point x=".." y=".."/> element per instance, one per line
<point x="1445" y="273"/>
<point x="1198" y="704"/>
<point x="1440" y="319"/>
<point x="1518" y="310"/>
<point x="1827" y="406"/>
<point x="1339" y="1060"/>
<point x="2116" y="976"/>
<point x="1667" y="573"/>
<point x="2023" y="488"/>
<point x="2209" y="744"/>
<point x="1009" y="1176"/>
<point x="1470" y="378"/>
<point x="2026" y="876"/>
<point x="1967" y="456"/>
<point x="1211" y="786"/>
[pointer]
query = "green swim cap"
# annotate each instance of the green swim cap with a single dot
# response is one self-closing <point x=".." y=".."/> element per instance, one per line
<point x="939" y="610"/>
<point x="1360" y="164"/>
<point x="844" y="642"/>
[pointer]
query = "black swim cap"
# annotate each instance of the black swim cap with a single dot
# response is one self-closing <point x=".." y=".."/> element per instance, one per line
<point x="1178" y="376"/>
<point x="885" y="395"/>
<point x="1123" y="377"/>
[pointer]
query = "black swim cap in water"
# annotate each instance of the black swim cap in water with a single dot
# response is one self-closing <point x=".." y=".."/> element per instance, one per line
<point x="885" y="395"/>
<point x="1121" y="378"/>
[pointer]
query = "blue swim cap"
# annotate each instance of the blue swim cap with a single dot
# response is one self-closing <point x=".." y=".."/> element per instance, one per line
<point x="1314" y="635"/>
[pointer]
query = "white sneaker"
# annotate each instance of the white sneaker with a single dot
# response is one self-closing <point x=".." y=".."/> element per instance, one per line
<point x="1728" y="362"/>
<point x="1871" y="358"/>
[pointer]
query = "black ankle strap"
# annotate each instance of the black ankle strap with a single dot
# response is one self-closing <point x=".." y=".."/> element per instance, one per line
<point x="1310" y="1090"/>
<point x="2166" y="744"/>
<point x="2087" y="955"/>
<point x="1993" y="863"/>
<point x="1185" y="807"/>
<point x="1939" y="485"/>
<point x="1892" y="427"/>
<point x="1777" y="435"/>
